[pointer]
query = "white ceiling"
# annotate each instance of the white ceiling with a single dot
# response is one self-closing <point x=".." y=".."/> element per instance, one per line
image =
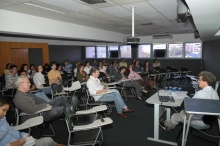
<point x="151" y="16"/>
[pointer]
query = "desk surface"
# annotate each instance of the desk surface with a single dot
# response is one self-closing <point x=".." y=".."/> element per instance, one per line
<point x="202" y="106"/>
<point x="178" y="96"/>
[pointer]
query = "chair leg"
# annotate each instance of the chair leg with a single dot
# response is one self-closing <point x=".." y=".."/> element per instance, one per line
<point x="51" y="130"/>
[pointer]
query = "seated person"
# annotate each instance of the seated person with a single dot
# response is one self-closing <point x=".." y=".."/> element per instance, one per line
<point x="113" y="69"/>
<point x="7" y="69"/>
<point x="60" y="69"/>
<point x="206" y="80"/>
<point x="123" y="63"/>
<point x="137" y="67"/>
<point x="102" y="68"/>
<point x="10" y="79"/>
<point x="11" y="137"/>
<point x="39" y="80"/>
<point x="95" y="87"/>
<point x="29" y="103"/>
<point x="121" y="76"/>
<point x="54" y="75"/>
<point x="67" y="66"/>
<point x="25" y="67"/>
<point x="87" y="67"/>
<point x="81" y="75"/>
<point x="143" y="81"/>
<point x="32" y="71"/>
<point x="156" y="63"/>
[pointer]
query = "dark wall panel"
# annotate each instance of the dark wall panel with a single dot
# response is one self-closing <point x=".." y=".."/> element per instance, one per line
<point x="60" y="53"/>
<point x="35" y="56"/>
<point x="211" y="57"/>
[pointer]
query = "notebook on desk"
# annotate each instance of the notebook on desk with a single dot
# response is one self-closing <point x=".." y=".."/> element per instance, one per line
<point x="165" y="98"/>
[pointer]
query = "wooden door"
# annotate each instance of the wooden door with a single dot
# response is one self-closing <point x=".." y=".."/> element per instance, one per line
<point x="19" y="56"/>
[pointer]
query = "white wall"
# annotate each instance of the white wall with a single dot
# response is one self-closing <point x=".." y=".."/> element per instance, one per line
<point x="13" y="22"/>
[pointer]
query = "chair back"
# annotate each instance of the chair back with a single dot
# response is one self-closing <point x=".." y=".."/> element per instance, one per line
<point x="56" y="88"/>
<point x="75" y="103"/>
<point x="184" y="69"/>
<point x="75" y="86"/>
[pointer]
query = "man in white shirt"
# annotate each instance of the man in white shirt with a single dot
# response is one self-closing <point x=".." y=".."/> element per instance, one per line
<point x="104" y="94"/>
<point x="206" y="80"/>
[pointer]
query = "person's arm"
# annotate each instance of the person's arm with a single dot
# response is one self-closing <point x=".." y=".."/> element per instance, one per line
<point x="36" y="79"/>
<point x="93" y="89"/>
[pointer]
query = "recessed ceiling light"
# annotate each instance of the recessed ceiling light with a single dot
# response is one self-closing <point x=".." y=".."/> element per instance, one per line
<point x="45" y="8"/>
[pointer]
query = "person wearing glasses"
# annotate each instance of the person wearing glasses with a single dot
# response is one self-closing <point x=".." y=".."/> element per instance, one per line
<point x="11" y="137"/>
<point x="30" y="103"/>
<point x="206" y="81"/>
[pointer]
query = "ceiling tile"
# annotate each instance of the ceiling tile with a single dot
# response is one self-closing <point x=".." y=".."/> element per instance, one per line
<point x="121" y="2"/>
<point x="161" y="22"/>
<point x="16" y="1"/>
<point x="99" y="5"/>
<point x="4" y="4"/>
<point x="96" y="14"/>
<point x="164" y="5"/>
<point x="154" y="16"/>
<point x="170" y="15"/>
<point x="67" y="4"/>
<point x="117" y="11"/>
<point x="141" y="8"/>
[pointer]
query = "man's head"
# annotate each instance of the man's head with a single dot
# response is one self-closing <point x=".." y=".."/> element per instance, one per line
<point x="206" y="79"/>
<point x="53" y="66"/>
<point x="22" y="73"/>
<point x="94" y="71"/>
<point x="23" y="84"/>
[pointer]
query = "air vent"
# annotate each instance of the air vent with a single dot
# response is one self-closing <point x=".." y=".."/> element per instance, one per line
<point x="163" y="36"/>
<point x="94" y="1"/>
<point x="146" y="24"/>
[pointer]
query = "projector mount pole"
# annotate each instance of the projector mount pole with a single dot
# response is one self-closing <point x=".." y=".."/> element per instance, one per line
<point x="132" y="9"/>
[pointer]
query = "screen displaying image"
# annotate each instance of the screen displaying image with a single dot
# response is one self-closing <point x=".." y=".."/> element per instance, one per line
<point x="90" y="52"/>
<point x="144" y="51"/>
<point x="175" y="51"/>
<point x="125" y="51"/>
<point x="193" y="50"/>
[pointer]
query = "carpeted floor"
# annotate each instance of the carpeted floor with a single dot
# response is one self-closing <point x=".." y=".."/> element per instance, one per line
<point x="134" y="130"/>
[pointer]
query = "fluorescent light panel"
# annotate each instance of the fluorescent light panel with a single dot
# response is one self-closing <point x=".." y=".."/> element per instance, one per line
<point x="45" y="8"/>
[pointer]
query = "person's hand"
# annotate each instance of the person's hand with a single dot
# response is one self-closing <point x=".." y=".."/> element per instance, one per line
<point x="42" y="85"/>
<point x="19" y="142"/>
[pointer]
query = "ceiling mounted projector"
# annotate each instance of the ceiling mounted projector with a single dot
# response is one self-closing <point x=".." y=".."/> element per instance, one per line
<point x="132" y="39"/>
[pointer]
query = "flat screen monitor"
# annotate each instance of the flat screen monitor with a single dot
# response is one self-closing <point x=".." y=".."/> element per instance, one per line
<point x="113" y="54"/>
<point x="159" y="50"/>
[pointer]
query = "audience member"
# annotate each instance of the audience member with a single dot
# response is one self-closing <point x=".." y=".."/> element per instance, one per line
<point x="11" y="137"/>
<point x="10" y="79"/>
<point x="46" y="69"/>
<point x="60" y="69"/>
<point x="39" y="80"/>
<point x="137" y="67"/>
<point x="7" y="69"/>
<point x="123" y="63"/>
<point x="54" y="75"/>
<point x="143" y="81"/>
<point x="29" y="103"/>
<point x="25" y="67"/>
<point x="102" y="68"/>
<point x="95" y="87"/>
<point x="206" y="81"/>
<point x="113" y="69"/>
<point x="94" y="63"/>
<point x="75" y="69"/>
<point x="81" y="75"/>
<point x="132" y="83"/>
<point x="87" y="67"/>
<point x="156" y="63"/>
<point x="32" y="71"/>
<point x="67" y="66"/>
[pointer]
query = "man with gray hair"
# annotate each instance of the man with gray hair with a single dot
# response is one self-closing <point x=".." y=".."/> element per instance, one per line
<point x="104" y="94"/>
<point x="29" y="103"/>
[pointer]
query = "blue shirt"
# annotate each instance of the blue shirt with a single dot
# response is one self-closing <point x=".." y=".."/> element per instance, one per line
<point x="7" y="134"/>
